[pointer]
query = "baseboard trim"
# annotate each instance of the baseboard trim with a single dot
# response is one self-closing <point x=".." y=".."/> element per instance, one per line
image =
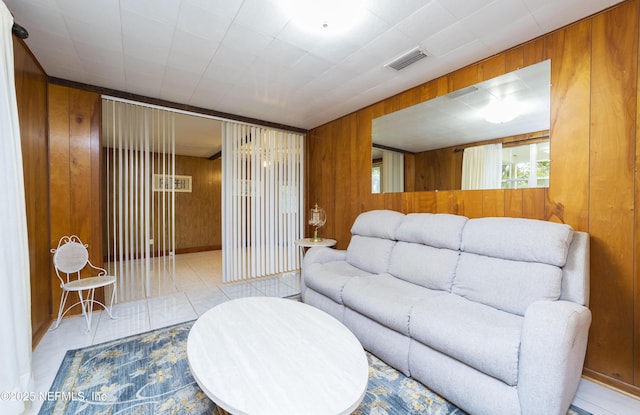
<point x="612" y="383"/>
<point x="198" y="249"/>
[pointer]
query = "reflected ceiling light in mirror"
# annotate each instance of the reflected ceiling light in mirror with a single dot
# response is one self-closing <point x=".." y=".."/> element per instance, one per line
<point x="324" y="16"/>
<point x="500" y="111"/>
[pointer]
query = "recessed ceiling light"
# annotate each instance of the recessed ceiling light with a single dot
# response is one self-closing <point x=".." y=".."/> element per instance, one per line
<point x="324" y="16"/>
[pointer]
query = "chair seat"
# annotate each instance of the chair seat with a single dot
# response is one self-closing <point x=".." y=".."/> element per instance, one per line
<point x="89" y="283"/>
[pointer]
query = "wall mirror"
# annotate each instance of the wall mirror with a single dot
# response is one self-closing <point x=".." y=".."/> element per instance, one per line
<point x="422" y="147"/>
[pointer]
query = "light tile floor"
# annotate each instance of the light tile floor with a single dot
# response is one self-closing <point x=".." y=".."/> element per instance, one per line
<point x="195" y="288"/>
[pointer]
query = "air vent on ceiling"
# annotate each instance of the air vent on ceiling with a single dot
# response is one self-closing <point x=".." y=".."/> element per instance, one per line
<point x="407" y="59"/>
<point x="462" y="92"/>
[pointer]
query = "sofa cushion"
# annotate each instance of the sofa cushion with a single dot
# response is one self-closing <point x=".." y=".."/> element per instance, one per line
<point x="424" y="265"/>
<point x="377" y="224"/>
<point x="518" y="239"/>
<point x="477" y="335"/>
<point x="504" y="284"/>
<point x="440" y="230"/>
<point x="385" y="299"/>
<point x="330" y="278"/>
<point x="369" y="253"/>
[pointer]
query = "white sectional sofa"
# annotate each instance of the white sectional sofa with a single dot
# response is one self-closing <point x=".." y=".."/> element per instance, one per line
<point x="490" y="313"/>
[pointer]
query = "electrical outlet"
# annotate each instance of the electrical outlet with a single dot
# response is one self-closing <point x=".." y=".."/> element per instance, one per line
<point x="150" y="241"/>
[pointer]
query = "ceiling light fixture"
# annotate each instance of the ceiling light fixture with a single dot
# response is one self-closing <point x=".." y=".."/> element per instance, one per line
<point x="326" y="16"/>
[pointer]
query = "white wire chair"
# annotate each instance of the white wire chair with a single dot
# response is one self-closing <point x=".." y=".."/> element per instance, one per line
<point x="71" y="257"/>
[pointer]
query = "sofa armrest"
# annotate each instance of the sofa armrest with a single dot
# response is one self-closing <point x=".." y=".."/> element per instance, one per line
<point x="552" y="351"/>
<point x="322" y="255"/>
<point x="318" y="255"/>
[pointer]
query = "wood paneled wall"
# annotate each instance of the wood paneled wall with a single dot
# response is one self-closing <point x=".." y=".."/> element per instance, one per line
<point x="75" y="173"/>
<point x="199" y="213"/>
<point x="31" y="93"/>
<point x="595" y="160"/>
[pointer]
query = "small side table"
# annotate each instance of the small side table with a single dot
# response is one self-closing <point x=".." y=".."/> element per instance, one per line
<point x="309" y="243"/>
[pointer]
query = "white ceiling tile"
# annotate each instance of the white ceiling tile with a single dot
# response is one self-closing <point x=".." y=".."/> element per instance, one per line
<point x="227" y="8"/>
<point x="203" y="23"/>
<point x="451" y="38"/>
<point x="94" y="11"/>
<point x="177" y="77"/>
<point x="208" y="94"/>
<point x="389" y="45"/>
<point x="293" y="35"/>
<point x="463" y="8"/>
<point x="167" y="13"/>
<point x="137" y="40"/>
<point x="494" y="16"/>
<point x="262" y="16"/>
<point x="217" y="73"/>
<point x="98" y="55"/>
<point x="60" y="45"/>
<point x="113" y="70"/>
<point x="393" y="11"/>
<point x="360" y="61"/>
<point x="518" y="31"/>
<point x="369" y="27"/>
<point x="191" y="53"/>
<point x="281" y="53"/>
<point x="189" y="44"/>
<point x="106" y="37"/>
<point x="139" y="81"/>
<point x="138" y="71"/>
<point x="246" y="40"/>
<point x="42" y="16"/>
<point x="334" y="50"/>
<point x="460" y="57"/>
<point x="235" y="59"/>
<point x="310" y="65"/>
<point x="426" y="21"/>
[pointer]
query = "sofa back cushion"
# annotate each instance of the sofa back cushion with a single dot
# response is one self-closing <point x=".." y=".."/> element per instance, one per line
<point x="439" y="230"/>
<point x="505" y="284"/>
<point x="373" y="237"/>
<point x="509" y="263"/>
<point x="378" y="224"/>
<point x="369" y="254"/>
<point x="518" y="239"/>
<point x="424" y="265"/>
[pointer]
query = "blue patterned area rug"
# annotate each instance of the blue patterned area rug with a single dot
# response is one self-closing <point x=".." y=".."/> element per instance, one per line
<point x="149" y="373"/>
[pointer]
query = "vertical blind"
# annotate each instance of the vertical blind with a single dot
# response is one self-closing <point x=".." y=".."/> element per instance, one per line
<point x="262" y="208"/>
<point x="139" y="146"/>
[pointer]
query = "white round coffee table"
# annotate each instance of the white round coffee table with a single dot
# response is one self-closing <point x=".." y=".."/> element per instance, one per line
<point x="265" y="355"/>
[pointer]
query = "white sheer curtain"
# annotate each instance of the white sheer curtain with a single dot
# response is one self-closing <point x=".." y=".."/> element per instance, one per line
<point x="392" y="171"/>
<point x="15" y="297"/>
<point x="482" y="167"/>
<point x="262" y="209"/>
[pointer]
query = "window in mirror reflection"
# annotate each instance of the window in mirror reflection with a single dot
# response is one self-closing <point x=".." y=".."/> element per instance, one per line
<point x="375" y="177"/>
<point x="526" y="166"/>
<point x="387" y="172"/>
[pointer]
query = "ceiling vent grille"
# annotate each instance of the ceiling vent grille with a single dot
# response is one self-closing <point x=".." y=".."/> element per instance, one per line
<point x="407" y="59"/>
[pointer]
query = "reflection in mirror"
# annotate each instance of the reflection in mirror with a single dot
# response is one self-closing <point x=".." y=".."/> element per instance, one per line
<point x="511" y="112"/>
<point x="525" y="165"/>
<point x="387" y="173"/>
